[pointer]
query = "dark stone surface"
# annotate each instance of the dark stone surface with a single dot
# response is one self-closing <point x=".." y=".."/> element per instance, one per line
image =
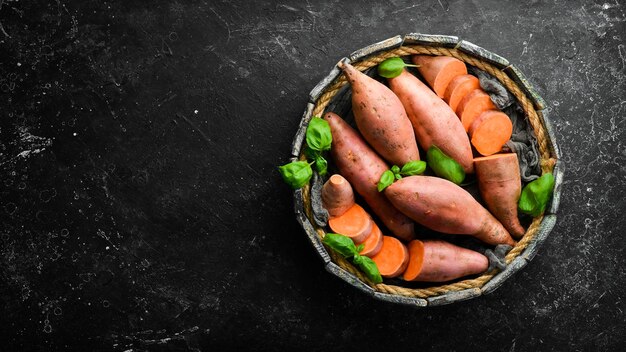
<point x="141" y="207"/>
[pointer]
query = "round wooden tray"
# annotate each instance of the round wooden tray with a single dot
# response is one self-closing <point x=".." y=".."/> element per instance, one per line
<point x="327" y="92"/>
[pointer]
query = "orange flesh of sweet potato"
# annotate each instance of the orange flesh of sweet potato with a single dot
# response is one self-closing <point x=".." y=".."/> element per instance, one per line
<point x="458" y="88"/>
<point x="373" y="243"/>
<point x="472" y="105"/>
<point x="392" y="258"/>
<point x="490" y="131"/>
<point x="355" y="223"/>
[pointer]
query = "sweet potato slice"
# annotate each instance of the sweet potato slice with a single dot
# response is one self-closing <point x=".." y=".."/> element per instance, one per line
<point x="355" y="223"/>
<point x="458" y="88"/>
<point x="373" y="243"/>
<point x="490" y="131"/>
<point x="472" y="105"/>
<point x="392" y="258"/>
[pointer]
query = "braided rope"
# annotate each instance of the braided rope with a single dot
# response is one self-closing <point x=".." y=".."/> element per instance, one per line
<point x="546" y="161"/>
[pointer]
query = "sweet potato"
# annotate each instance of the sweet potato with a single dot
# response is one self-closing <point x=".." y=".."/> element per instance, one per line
<point x="438" y="71"/>
<point x="432" y="119"/>
<point x="458" y="88"/>
<point x="337" y="195"/>
<point x="355" y="223"/>
<point x="392" y="258"/>
<point x="490" y="131"/>
<point x="362" y="167"/>
<point x="380" y="118"/>
<point x="472" y="105"/>
<point x="445" y="207"/>
<point x="439" y="261"/>
<point x="500" y="187"/>
<point x="373" y="243"/>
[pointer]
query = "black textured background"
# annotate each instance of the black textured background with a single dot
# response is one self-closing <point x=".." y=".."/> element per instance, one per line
<point x="141" y="209"/>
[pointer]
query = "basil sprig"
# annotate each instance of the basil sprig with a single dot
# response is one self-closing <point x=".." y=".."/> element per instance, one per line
<point x="412" y="168"/>
<point x="444" y="166"/>
<point x="535" y="195"/>
<point x="318" y="139"/>
<point x="344" y="246"/>
<point x="392" y="67"/>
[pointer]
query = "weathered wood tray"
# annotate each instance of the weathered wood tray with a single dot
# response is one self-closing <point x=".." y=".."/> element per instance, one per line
<point x="325" y="94"/>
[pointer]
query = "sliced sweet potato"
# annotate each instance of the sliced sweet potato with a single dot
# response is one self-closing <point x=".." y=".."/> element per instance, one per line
<point x="373" y="243"/>
<point x="355" y="223"/>
<point x="458" y="88"/>
<point x="392" y="258"/>
<point x="472" y="105"/>
<point x="490" y="131"/>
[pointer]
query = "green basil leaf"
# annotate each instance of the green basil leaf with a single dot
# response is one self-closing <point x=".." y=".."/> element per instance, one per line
<point x="340" y="244"/>
<point x="360" y="247"/>
<point x="296" y="174"/>
<point x="398" y="176"/>
<point x="536" y="194"/>
<point x="369" y="268"/>
<point x="311" y="154"/>
<point x="412" y="168"/>
<point x="321" y="165"/>
<point x="318" y="136"/>
<point x="395" y="169"/>
<point x="444" y="166"/>
<point x="386" y="179"/>
<point x="391" y="67"/>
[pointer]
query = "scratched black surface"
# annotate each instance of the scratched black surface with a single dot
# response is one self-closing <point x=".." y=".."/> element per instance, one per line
<point x="141" y="208"/>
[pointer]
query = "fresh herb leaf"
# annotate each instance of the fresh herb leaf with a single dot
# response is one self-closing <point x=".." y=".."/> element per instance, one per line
<point x="386" y="179"/>
<point x="536" y="194"/>
<point x="311" y="154"/>
<point x="318" y="135"/>
<point x="395" y="169"/>
<point x="392" y="67"/>
<point x="340" y="244"/>
<point x="412" y="168"/>
<point x="368" y="267"/>
<point x="321" y="165"/>
<point x="296" y="174"/>
<point x="344" y="246"/>
<point x="444" y="166"/>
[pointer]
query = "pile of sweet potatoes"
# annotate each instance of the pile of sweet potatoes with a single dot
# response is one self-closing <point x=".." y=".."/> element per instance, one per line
<point x="462" y="132"/>
<point x="450" y="112"/>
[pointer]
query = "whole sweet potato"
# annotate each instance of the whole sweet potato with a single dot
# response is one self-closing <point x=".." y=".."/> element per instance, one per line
<point x="380" y="117"/>
<point x="445" y="207"/>
<point x="433" y="120"/>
